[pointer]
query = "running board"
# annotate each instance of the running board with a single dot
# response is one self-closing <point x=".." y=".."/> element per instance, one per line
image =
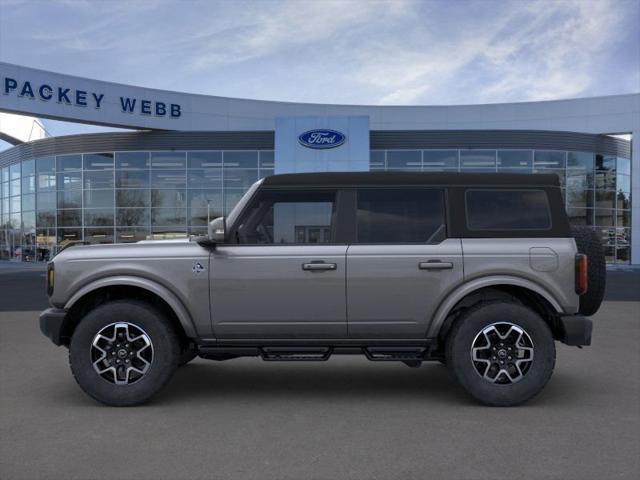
<point x="297" y="354"/>
<point x="395" y="354"/>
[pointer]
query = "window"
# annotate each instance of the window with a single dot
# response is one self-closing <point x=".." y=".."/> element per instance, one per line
<point x="289" y="218"/>
<point x="400" y="216"/>
<point x="507" y="210"/>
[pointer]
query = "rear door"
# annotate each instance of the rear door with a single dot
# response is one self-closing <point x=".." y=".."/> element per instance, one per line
<point x="284" y="275"/>
<point x="401" y="264"/>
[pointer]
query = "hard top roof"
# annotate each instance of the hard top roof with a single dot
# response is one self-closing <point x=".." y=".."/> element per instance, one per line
<point x="411" y="178"/>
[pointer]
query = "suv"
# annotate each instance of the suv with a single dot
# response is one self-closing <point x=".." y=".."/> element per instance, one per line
<point x="481" y="272"/>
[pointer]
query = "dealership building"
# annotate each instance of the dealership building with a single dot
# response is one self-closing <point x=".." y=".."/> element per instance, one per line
<point x="188" y="158"/>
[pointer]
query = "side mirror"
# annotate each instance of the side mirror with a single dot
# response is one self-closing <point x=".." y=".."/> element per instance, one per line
<point x="217" y="230"/>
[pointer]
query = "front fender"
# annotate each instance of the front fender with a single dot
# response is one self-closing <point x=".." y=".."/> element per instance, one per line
<point x="165" y="294"/>
<point x="465" y="289"/>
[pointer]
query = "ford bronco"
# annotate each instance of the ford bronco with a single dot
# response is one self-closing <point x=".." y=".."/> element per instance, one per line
<point x="481" y="272"/>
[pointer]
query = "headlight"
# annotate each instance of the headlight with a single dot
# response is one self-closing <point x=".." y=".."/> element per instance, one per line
<point x="51" y="277"/>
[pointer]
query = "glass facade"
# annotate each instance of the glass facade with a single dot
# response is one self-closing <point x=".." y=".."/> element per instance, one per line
<point x="107" y="197"/>
<point x="596" y="188"/>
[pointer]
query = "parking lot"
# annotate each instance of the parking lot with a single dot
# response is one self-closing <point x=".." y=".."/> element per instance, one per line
<point x="342" y="419"/>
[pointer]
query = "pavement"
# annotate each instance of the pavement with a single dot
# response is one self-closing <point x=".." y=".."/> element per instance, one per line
<point x="342" y="419"/>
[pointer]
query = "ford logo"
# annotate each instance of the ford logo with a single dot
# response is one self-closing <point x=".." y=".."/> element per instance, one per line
<point x="322" y="138"/>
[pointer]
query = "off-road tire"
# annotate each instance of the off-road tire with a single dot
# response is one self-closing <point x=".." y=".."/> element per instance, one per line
<point x="165" y="343"/>
<point x="459" y="357"/>
<point x="590" y="244"/>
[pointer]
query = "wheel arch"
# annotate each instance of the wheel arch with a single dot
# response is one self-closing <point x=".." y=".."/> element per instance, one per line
<point x="127" y="287"/>
<point x="485" y="288"/>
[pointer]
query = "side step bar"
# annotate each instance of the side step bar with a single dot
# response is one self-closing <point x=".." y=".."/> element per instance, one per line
<point x="289" y="354"/>
<point x="395" y="354"/>
<point x="407" y="354"/>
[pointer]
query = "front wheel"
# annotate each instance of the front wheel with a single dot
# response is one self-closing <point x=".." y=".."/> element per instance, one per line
<point x="123" y="352"/>
<point x="502" y="353"/>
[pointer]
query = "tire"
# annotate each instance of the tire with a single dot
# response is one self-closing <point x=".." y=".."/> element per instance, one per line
<point x="150" y="340"/>
<point x="501" y="316"/>
<point x="188" y="354"/>
<point x="589" y="243"/>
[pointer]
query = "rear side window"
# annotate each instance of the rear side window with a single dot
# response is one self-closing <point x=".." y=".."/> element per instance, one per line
<point x="400" y="216"/>
<point x="507" y="210"/>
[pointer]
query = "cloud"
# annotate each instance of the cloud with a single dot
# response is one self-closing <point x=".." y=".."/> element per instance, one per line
<point x="338" y="51"/>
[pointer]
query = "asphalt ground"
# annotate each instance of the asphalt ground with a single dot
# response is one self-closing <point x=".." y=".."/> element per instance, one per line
<point x="342" y="419"/>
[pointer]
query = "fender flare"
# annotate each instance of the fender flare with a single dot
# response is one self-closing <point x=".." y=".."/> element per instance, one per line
<point x="467" y="288"/>
<point x="125" y="280"/>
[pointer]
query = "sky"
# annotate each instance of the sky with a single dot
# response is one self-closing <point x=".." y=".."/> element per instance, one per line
<point x="394" y="52"/>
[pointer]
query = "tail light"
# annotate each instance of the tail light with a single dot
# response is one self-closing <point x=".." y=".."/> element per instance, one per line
<point x="51" y="277"/>
<point x="582" y="284"/>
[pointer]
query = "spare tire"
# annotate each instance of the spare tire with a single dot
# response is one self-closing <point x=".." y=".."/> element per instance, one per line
<point x="589" y="243"/>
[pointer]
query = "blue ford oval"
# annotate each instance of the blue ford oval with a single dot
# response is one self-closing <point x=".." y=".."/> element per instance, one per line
<point x="322" y="138"/>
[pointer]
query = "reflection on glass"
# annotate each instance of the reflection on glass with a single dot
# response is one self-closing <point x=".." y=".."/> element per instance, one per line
<point x="98" y="217"/>
<point x="98" y="161"/>
<point x="435" y="160"/>
<point x="132" y="179"/>
<point x="68" y="162"/>
<point x="204" y="159"/>
<point x="404" y="159"/>
<point x="550" y="159"/>
<point x="168" y="159"/>
<point x="478" y="160"/>
<point x="98" y="179"/>
<point x="98" y="199"/>
<point x="515" y="159"/>
<point x="133" y="216"/>
<point x="582" y="160"/>
<point x="133" y="198"/>
<point x="132" y="160"/>
<point x="129" y="235"/>
<point x="240" y="159"/>
<point x="169" y="217"/>
<point x="168" y="198"/>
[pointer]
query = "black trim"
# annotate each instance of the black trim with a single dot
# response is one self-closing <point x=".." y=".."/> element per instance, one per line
<point x="575" y="330"/>
<point x="359" y="179"/>
<point x="51" y="324"/>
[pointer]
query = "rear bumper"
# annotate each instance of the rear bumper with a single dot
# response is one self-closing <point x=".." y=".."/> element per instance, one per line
<point x="575" y="330"/>
<point x="51" y="323"/>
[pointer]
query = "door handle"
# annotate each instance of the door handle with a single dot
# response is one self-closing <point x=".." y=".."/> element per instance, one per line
<point x="319" y="266"/>
<point x="435" y="265"/>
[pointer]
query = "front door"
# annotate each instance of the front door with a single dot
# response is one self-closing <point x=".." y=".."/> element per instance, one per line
<point x="402" y="262"/>
<point x="282" y="275"/>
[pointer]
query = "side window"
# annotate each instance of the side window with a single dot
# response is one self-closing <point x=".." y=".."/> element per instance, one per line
<point x="507" y="210"/>
<point x="401" y="216"/>
<point x="282" y="217"/>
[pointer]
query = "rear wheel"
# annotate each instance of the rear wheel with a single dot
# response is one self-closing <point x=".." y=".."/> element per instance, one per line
<point x="502" y="353"/>
<point x="123" y="352"/>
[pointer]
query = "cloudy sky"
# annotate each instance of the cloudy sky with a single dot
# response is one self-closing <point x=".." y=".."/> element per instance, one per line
<point x="362" y="52"/>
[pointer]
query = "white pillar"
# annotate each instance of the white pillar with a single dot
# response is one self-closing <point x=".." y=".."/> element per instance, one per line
<point x="635" y="197"/>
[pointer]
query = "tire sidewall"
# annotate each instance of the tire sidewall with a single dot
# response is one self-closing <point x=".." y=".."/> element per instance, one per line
<point x="166" y="352"/>
<point x="461" y="341"/>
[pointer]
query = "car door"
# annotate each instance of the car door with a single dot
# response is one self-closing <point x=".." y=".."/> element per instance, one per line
<point x="283" y="275"/>
<point x="401" y="264"/>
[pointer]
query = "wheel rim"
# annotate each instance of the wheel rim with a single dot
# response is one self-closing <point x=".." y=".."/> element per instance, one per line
<point x="502" y="353"/>
<point x="121" y="353"/>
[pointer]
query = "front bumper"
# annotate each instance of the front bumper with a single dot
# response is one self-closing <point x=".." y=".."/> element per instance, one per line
<point x="51" y="324"/>
<point x="575" y="330"/>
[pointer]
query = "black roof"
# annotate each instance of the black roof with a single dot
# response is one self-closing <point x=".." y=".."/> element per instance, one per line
<point x="411" y="178"/>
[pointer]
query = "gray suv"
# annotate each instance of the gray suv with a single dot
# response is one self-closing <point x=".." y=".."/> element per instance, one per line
<point x="480" y="272"/>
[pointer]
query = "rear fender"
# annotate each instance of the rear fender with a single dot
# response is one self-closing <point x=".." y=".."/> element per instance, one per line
<point x="467" y="288"/>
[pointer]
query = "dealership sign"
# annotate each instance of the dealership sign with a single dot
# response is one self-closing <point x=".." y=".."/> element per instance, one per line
<point x="322" y="138"/>
<point x="70" y="96"/>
